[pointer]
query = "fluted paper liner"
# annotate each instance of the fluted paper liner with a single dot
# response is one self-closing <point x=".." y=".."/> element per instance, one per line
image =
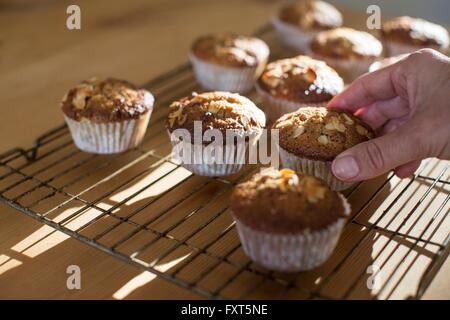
<point x="293" y="37"/>
<point x="224" y="78"/>
<point x="317" y="168"/>
<point x="106" y="138"/>
<point x="291" y="252"/>
<point x="202" y="164"/>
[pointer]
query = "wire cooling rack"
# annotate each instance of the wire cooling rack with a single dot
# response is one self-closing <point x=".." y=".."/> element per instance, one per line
<point x="143" y="208"/>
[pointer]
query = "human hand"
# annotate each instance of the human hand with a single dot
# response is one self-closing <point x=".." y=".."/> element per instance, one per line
<point x="408" y="103"/>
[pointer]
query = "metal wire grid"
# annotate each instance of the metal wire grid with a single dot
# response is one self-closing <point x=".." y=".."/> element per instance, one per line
<point x="19" y="181"/>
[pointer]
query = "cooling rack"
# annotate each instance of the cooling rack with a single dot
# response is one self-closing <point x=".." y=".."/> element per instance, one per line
<point x="143" y="208"/>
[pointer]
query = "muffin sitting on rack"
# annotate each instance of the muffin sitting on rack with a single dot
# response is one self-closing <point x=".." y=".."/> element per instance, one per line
<point x="107" y="115"/>
<point x="194" y="118"/>
<point x="289" y="84"/>
<point x="297" y="23"/>
<point x="350" y="52"/>
<point x="288" y="221"/>
<point x="228" y="62"/>
<point x="311" y="138"/>
<point x="405" y="35"/>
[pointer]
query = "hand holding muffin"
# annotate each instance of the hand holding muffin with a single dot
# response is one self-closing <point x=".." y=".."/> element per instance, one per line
<point x="407" y="102"/>
<point x="310" y="139"/>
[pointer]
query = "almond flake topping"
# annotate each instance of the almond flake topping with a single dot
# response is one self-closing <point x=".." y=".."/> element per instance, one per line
<point x="323" y="139"/>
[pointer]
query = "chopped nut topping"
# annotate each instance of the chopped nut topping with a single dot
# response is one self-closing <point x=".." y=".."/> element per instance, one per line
<point x="178" y="116"/>
<point x="296" y="70"/>
<point x="284" y="123"/>
<point x="79" y="101"/>
<point x="272" y="82"/>
<point x="347" y="119"/>
<point x="323" y="139"/>
<point x="298" y="131"/>
<point x="361" y="130"/>
<point x="312" y="189"/>
<point x="335" y="124"/>
<point x="309" y="75"/>
<point x="287" y="172"/>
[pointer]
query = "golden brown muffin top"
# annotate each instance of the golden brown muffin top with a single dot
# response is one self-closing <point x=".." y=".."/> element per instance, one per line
<point x="285" y="201"/>
<point x="216" y="110"/>
<point x="106" y="100"/>
<point x="320" y="133"/>
<point x="415" y="31"/>
<point x="301" y="79"/>
<point x="309" y="14"/>
<point x="346" y="43"/>
<point x="231" y="50"/>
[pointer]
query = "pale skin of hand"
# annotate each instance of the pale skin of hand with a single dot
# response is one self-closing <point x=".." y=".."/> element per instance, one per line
<point x="408" y="104"/>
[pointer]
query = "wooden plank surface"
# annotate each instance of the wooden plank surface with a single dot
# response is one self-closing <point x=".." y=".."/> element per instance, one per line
<point x="40" y="59"/>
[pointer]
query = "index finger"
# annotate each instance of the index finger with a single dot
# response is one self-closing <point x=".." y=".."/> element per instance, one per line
<point x="367" y="89"/>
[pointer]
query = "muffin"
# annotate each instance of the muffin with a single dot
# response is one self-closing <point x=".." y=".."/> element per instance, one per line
<point x="289" y="84"/>
<point x="107" y="115"/>
<point x="383" y="63"/>
<point x="228" y="62"/>
<point x="405" y="35"/>
<point x="310" y="139"/>
<point x="349" y="51"/>
<point x="288" y="221"/>
<point x="297" y="23"/>
<point x="195" y="117"/>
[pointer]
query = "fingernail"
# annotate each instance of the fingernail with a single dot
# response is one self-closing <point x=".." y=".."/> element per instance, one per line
<point x="345" y="168"/>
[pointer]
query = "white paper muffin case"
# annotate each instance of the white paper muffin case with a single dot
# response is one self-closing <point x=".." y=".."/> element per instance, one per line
<point x="275" y="107"/>
<point x="291" y="252"/>
<point x="293" y="37"/>
<point x="348" y="69"/>
<point x="202" y="163"/>
<point x="224" y="78"/>
<point x="319" y="169"/>
<point x="106" y="138"/>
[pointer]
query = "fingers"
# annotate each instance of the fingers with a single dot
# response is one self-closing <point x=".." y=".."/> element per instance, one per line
<point x="369" y="88"/>
<point x="375" y="157"/>
<point x="407" y="169"/>
<point x="380" y="112"/>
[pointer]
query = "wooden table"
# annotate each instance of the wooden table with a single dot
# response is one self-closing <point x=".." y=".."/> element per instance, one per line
<point x="39" y="60"/>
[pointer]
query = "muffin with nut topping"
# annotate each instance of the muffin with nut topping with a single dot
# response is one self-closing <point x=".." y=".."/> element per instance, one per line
<point x="286" y="220"/>
<point x="310" y="139"/>
<point x="289" y="84"/>
<point x="350" y="52"/>
<point x="228" y="62"/>
<point x="406" y="34"/>
<point x="297" y="23"/>
<point x="211" y="132"/>
<point x="107" y="115"/>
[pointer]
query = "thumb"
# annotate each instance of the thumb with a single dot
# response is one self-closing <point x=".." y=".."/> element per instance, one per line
<point x="375" y="157"/>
